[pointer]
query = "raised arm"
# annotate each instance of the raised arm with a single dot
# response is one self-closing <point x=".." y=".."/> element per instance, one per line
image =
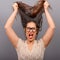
<point x="51" y="26"/>
<point x="8" y="26"/>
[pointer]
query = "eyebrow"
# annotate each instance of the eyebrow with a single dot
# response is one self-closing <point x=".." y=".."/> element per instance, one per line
<point x="31" y="27"/>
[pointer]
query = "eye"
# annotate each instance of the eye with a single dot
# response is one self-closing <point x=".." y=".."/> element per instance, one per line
<point x="33" y="29"/>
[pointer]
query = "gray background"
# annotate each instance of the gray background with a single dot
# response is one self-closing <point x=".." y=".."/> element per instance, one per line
<point x="7" y="51"/>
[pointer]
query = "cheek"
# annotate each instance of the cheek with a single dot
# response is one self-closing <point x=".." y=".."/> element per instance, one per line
<point x="34" y="34"/>
<point x="26" y="33"/>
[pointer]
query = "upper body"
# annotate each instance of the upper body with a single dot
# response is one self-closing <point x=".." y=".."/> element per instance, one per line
<point x="36" y="53"/>
<point x="31" y="49"/>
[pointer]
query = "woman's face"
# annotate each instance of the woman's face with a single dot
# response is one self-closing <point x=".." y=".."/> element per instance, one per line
<point x="31" y="31"/>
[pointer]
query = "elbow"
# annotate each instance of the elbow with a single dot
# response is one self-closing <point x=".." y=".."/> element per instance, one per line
<point x="53" y="27"/>
<point x="6" y="27"/>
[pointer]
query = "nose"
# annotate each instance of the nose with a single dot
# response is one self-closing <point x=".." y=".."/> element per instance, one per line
<point x="31" y="30"/>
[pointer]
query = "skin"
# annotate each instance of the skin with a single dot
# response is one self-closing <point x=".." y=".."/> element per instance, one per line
<point x="31" y="24"/>
<point x="14" y="38"/>
<point x="30" y="39"/>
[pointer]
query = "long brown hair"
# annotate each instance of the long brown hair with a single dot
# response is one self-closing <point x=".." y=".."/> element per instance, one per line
<point x="29" y="13"/>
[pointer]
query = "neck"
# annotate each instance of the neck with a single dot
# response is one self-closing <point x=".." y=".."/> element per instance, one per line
<point x="30" y="42"/>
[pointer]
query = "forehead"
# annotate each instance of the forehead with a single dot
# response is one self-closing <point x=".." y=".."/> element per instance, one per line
<point x="31" y="24"/>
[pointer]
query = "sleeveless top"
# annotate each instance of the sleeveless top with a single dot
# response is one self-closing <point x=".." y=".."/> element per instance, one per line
<point x="37" y="52"/>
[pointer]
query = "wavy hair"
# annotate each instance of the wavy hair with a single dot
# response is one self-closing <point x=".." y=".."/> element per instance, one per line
<point x="29" y="13"/>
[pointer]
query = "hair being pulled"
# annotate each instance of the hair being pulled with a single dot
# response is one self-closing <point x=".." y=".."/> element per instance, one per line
<point x="29" y="13"/>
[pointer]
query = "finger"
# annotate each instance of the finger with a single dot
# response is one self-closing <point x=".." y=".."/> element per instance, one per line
<point x="49" y="5"/>
<point x="15" y="4"/>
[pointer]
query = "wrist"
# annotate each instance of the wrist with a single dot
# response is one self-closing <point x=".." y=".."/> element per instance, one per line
<point x="45" y="9"/>
<point x="16" y="11"/>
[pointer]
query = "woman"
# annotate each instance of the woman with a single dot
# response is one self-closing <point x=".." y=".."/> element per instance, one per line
<point x="30" y="49"/>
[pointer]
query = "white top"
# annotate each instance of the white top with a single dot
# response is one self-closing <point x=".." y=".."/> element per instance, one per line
<point x="37" y="52"/>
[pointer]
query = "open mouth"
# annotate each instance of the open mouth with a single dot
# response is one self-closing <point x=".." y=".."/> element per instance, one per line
<point x="30" y="36"/>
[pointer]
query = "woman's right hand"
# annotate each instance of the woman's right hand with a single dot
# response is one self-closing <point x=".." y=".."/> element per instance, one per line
<point x="15" y="7"/>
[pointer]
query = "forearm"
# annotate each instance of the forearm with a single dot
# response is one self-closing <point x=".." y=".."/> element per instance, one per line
<point x="11" y="19"/>
<point x="49" y="19"/>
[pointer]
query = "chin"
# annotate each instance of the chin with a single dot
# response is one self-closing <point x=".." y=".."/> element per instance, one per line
<point x="30" y="40"/>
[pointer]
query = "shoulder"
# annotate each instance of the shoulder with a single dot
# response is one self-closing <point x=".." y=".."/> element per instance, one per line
<point x="19" y="43"/>
<point x="41" y="43"/>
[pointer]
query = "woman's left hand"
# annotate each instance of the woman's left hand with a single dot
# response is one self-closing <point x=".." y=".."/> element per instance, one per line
<point x="46" y="5"/>
<point x="15" y="7"/>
